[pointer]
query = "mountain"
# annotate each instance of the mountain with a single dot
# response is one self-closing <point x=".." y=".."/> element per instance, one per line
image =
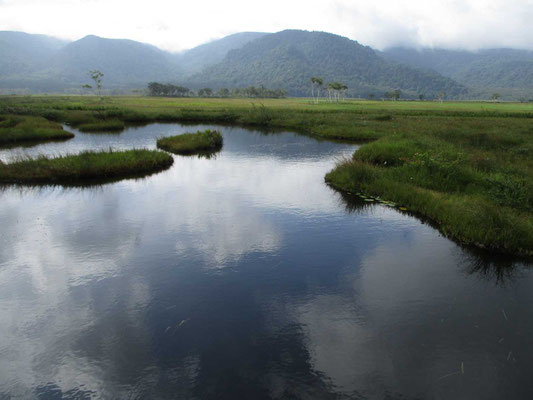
<point x="41" y="63"/>
<point x="289" y="58"/>
<point x="124" y="62"/>
<point x="196" y="59"/>
<point x="22" y="52"/>
<point x="51" y="66"/>
<point x="491" y="68"/>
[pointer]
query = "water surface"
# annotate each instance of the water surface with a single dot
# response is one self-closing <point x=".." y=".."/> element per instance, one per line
<point x="245" y="276"/>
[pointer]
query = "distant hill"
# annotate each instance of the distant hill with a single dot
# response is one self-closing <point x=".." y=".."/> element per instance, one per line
<point x="22" y="52"/>
<point x="196" y="59"/>
<point x="124" y="62"/>
<point x="492" y="68"/>
<point x="289" y="58"/>
<point x="41" y="63"/>
<point x="285" y="60"/>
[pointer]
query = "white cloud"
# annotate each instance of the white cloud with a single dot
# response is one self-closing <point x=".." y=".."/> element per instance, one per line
<point x="179" y="25"/>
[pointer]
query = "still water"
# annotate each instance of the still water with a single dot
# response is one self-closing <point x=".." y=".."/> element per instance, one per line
<point x="245" y="277"/>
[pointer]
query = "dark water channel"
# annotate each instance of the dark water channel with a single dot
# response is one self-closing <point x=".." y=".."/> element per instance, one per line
<point x="246" y="277"/>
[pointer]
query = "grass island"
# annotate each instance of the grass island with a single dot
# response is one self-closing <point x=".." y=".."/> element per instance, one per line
<point x="207" y="141"/>
<point x="15" y="129"/>
<point x="88" y="166"/>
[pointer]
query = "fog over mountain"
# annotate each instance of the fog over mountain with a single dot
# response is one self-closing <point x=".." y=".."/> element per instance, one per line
<point x="491" y="68"/>
<point x="179" y="25"/>
<point x="285" y="60"/>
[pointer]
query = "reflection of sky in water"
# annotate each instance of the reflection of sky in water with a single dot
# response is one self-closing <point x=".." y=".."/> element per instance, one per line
<point x="245" y="276"/>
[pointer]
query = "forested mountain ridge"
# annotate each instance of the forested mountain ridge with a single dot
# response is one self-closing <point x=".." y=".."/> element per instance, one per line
<point x="289" y="58"/>
<point x="40" y="63"/>
<point x="491" y="68"/>
<point x="124" y="62"/>
<point x="210" y="53"/>
<point x="55" y="67"/>
<point x="283" y="60"/>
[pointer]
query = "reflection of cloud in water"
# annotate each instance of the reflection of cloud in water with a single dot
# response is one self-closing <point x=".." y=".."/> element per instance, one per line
<point x="409" y="319"/>
<point x="45" y="256"/>
<point x="343" y="348"/>
<point x="84" y="274"/>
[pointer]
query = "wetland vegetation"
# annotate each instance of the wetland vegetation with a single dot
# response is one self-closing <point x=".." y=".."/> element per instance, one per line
<point x="207" y="141"/>
<point x="85" y="167"/>
<point x="466" y="166"/>
<point x="26" y="128"/>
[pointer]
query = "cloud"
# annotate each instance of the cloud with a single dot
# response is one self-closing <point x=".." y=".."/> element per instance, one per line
<point x="469" y="24"/>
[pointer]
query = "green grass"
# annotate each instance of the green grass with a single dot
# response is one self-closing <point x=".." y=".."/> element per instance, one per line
<point x="15" y="129"/>
<point x="192" y="143"/>
<point x="110" y="125"/>
<point x="85" y="167"/>
<point x="467" y="166"/>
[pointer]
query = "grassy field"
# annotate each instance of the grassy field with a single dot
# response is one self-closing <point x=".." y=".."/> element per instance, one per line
<point x="15" y="129"/>
<point x="85" y="167"/>
<point x="192" y="143"/>
<point x="467" y="166"/>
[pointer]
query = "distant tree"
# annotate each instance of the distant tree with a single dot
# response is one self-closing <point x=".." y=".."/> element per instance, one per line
<point x="336" y="90"/>
<point x="441" y="96"/>
<point x="262" y="91"/>
<point x="396" y="94"/>
<point x="252" y="91"/>
<point x="97" y="76"/>
<point x="167" y="90"/>
<point x="371" y="96"/>
<point x="421" y="97"/>
<point x="87" y="86"/>
<point x="223" y="92"/>
<point x="205" y="92"/>
<point x="495" y="96"/>
<point x="343" y="90"/>
<point x="318" y="82"/>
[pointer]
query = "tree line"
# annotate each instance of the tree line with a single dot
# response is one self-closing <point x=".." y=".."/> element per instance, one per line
<point x="335" y="90"/>
<point x="169" y="90"/>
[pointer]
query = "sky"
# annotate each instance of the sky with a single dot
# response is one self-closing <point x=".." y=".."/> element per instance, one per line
<point x="177" y="25"/>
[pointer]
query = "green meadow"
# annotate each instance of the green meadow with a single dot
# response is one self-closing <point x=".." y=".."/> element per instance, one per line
<point x="466" y="166"/>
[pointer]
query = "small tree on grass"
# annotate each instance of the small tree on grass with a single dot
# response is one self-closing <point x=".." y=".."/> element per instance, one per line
<point x="205" y="92"/>
<point x="224" y="92"/>
<point x="318" y="82"/>
<point x="87" y="87"/>
<point x="336" y="90"/>
<point x="495" y="96"/>
<point x="96" y="76"/>
<point x="396" y="94"/>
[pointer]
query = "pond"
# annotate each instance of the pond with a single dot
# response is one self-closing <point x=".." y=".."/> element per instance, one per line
<point x="245" y="276"/>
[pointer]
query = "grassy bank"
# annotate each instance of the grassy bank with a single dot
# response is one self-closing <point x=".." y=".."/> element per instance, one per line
<point x="463" y="180"/>
<point x="467" y="166"/>
<point x="24" y="128"/>
<point x="192" y="143"/>
<point x="85" y="167"/>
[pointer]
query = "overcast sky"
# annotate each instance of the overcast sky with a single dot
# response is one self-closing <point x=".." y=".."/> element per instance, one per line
<point x="180" y="24"/>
